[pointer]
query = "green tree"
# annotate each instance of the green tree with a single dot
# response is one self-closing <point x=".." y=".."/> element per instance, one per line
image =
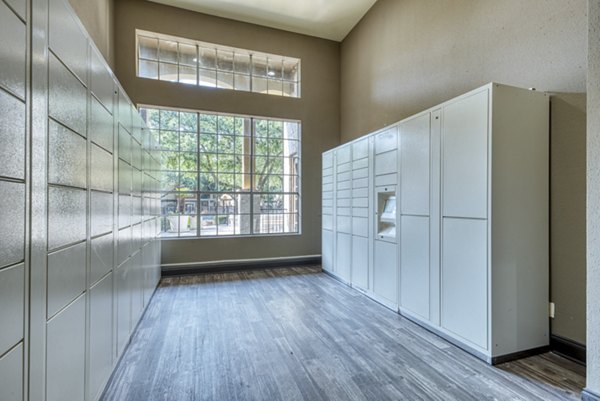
<point x="221" y="146"/>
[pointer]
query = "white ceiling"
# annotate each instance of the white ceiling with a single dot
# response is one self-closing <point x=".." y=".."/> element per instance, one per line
<point x="329" y="19"/>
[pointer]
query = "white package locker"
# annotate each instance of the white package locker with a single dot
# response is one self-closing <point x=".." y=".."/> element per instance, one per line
<point x="343" y="212"/>
<point x="468" y="257"/>
<point x="361" y="204"/>
<point x="327" y="208"/>
<point x="385" y="244"/>
<point x="494" y="280"/>
<point x="60" y="174"/>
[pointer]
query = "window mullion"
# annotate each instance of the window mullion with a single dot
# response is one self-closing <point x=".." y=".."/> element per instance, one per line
<point x="252" y="164"/>
<point x="251" y="72"/>
<point x="216" y="86"/>
<point x="198" y="199"/>
<point x="198" y="77"/>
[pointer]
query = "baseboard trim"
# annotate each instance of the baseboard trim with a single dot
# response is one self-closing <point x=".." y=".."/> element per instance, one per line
<point x="497" y="360"/>
<point x="589" y="395"/>
<point x="220" y="266"/>
<point x="568" y="348"/>
<point x="336" y="277"/>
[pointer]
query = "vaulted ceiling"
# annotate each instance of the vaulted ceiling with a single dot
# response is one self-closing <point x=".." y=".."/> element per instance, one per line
<point x="329" y="19"/>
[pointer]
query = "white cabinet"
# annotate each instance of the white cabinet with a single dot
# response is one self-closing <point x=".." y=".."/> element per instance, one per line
<point x="343" y="256"/>
<point x="343" y="212"/>
<point x="386" y="163"/>
<point x="464" y="279"/>
<point x="465" y="156"/>
<point x="361" y="231"/>
<point x="12" y="308"/>
<point x="417" y="163"/>
<point x="415" y="139"/>
<point x="62" y="298"/>
<point x="11" y="375"/>
<point x="327" y="250"/>
<point x="66" y="353"/>
<point x="386" y="222"/>
<point x="360" y="262"/>
<point x="469" y="246"/>
<point x="414" y="264"/>
<point x="327" y="205"/>
<point x="101" y="331"/>
<point x="360" y="151"/>
<point x="494" y="260"/>
<point x="385" y="273"/>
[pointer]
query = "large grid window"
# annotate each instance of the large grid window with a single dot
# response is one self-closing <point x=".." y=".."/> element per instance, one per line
<point x="225" y="175"/>
<point x="205" y="64"/>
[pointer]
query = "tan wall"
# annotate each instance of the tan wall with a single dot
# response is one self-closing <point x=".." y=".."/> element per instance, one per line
<point x="98" y="18"/>
<point x="318" y="109"/>
<point x="593" y="205"/>
<point x="408" y="55"/>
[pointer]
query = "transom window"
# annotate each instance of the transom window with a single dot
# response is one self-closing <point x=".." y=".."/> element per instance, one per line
<point x="168" y="58"/>
<point x="226" y="175"/>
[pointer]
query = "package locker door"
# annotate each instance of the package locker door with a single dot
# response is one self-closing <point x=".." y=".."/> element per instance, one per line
<point x="415" y="210"/>
<point x="360" y="262"/>
<point x="65" y="362"/>
<point x="327" y="250"/>
<point x="343" y="256"/>
<point x="414" y="265"/>
<point x="415" y="157"/>
<point x="100" y="336"/>
<point x="327" y="210"/>
<point x="385" y="272"/>
<point x="11" y="374"/>
<point x="464" y="157"/>
<point x="360" y="209"/>
<point x="343" y="211"/>
<point x="464" y="279"/>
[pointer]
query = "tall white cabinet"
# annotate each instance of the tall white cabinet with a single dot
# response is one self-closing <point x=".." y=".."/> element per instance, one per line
<point x="468" y="258"/>
<point x="80" y="210"/>
<point x="361" y="204"/>
<point x="385" y="238"/>
<point x="327" y="205"/>
<point x="343" y="212"/>
<point x="419" y="214"/>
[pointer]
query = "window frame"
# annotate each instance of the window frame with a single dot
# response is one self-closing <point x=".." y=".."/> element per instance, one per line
<point x="251" y="193"/>
<point x="251" y="77"/>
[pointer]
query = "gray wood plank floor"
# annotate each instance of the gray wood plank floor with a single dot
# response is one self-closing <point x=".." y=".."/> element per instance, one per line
<point x="297" y="334"/>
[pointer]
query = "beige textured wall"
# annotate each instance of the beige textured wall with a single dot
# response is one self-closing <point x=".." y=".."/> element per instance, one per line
<point x="318" y="109"/>
<point x="98" y="18"/>
<point x="593" y="205"/>
<point x="408" y="55"/>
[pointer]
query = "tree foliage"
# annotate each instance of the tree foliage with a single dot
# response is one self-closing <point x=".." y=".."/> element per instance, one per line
<point x="212" y="153"/>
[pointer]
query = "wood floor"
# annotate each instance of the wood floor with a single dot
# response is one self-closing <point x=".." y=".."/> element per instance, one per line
<point x="297" y="334"/>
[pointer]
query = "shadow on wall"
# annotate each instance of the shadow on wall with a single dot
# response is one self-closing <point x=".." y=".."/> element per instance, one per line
<point x="568" y="214"/>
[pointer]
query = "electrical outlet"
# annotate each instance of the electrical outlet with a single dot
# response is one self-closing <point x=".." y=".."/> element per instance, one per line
<point x="551" y="310"/>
